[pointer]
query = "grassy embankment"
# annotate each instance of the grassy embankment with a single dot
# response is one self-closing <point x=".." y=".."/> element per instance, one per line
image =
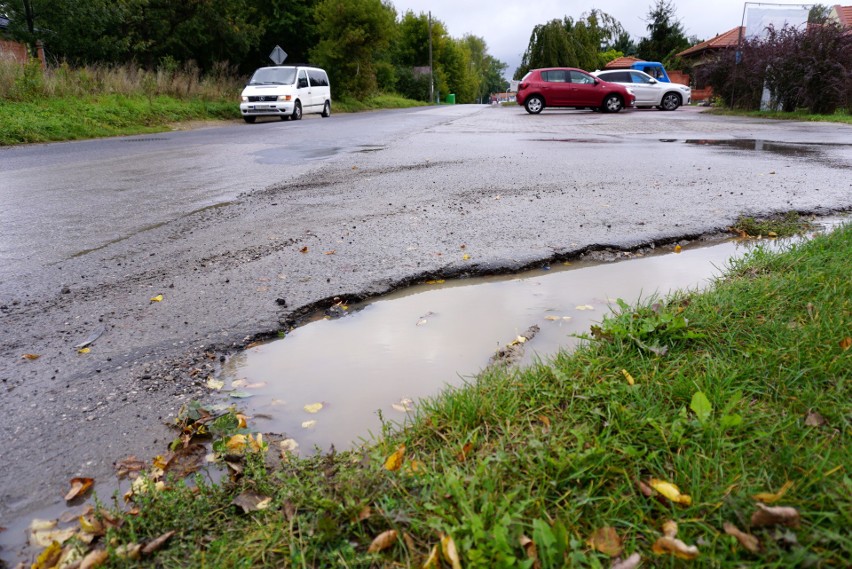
<point x="841" y="116"/>
<point x="739" y="395"/>
<point x="69" y="104"/>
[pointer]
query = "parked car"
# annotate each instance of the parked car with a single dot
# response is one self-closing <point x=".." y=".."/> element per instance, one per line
<point x="649" y="91"/>
<point x="569" y="87"/>
<point x="286" y="92"/>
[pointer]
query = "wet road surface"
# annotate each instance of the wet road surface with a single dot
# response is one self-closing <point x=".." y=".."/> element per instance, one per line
<point x="241" y="233"/>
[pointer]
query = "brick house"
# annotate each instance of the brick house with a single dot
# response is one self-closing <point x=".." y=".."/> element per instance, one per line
<point x="10" y="50"/>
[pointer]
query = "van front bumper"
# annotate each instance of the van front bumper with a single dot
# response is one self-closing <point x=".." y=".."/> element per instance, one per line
<point x="274" y="108"/>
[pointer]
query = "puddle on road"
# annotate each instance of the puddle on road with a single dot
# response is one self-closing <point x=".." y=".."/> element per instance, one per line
<point x="415" y="342"/>
<point x="810" y="150"/>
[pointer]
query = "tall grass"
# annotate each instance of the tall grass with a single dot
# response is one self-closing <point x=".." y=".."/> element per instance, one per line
<point x="181" y="81"/>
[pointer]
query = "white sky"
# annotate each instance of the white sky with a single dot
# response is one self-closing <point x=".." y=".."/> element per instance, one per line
<point x="506" y="24"/>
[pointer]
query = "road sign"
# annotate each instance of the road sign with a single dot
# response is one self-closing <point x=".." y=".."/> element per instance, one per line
<point x="278" y="55"/>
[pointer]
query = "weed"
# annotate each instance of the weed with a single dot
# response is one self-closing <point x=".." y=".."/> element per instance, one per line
<point x="787" y="225"/>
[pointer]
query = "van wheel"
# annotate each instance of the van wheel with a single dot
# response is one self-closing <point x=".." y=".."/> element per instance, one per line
<point x="249" y="120"/>
<point x="297" y="112"/>
<point x="326" y="110"/>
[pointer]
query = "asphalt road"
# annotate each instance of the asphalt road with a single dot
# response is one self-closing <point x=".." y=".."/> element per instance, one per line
<point x="229" y="223"/>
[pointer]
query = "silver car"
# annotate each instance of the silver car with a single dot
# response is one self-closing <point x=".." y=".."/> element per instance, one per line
<point x="649" y="92"/>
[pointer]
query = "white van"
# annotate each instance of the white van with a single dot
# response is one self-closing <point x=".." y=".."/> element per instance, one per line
<point x="286" y="92"/>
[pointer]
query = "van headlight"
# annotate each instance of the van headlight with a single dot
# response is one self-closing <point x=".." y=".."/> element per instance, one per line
<point x="284" y="97"/>
<point x="243" y="99"/>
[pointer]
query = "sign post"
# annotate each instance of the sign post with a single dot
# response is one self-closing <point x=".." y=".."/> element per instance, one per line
<point x="278" y="55"/>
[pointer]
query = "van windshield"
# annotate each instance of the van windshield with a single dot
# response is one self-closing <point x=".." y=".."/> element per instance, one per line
<point x="274" y="76"/>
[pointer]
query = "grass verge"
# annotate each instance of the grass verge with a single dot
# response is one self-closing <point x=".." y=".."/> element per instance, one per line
<point x="737" y="395"/>
<point x="381" y="101"/>
<point x="841" y="116"/>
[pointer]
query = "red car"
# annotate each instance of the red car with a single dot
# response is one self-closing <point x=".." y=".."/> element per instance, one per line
<point x="569" y="87"/>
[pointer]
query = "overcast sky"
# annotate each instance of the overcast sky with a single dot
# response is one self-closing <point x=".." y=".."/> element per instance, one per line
<point x="506" y="24"/>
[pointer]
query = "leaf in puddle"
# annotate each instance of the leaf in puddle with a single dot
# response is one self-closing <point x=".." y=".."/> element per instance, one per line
<point x="746" y="539"/>
<point x="770" y="498"/>
<point x="552" y="318"/>
<point x="129" y="466"/>
<point x="678" y="249"/>
<point x="158" y="298"/>
<point x="84" y="350"/>
<point x="606" y="541"/>
<point x="288" y="446"/>
<point x="240" y="394"/>
<point x="313" y="407"/>
<point x="394" y="461"/>
<point x="251" y="502"/>
<point x="236" y="444"/>
<point x="585" y="307"/>
<point x="435" y="282"/>
<point x="631" y="562"/>
<point x="185" y="461"/>
<point x="628" y="377"/>
<point x="215" y="384"/>
<point x="45" y="538"/>
<point x="79" y="486"/>
<point x="670" y="491"/>
<point x="775" y="516"/>
<point x="31" y="356"/>
<point x="814" y="419"/>
<point x="48" y="558"/>
<point x="449" y="551"/>
<point x="383" y="541"/>
<point x="157" y="543"/>
<point x="309" y="424"/>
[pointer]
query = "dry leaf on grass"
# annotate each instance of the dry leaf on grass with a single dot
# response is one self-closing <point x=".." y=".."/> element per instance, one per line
<point x="746" y="539"/>
<point x="769" y="498"/>
<point x="670" y="491"/>
<point x="383" y="541"/>
<point x="606" y="541"/>
<point x="670" y="545"/>
<point x="156" y="543"/>
<point x="251" y="502"/>
<point x="530" y="550"/>
<point x="631" y="562"/>
<point x="775" y="516"/>
<point x="394" y="461"/>
<point x="94" y="559"/>
<point x="450" y="553"/>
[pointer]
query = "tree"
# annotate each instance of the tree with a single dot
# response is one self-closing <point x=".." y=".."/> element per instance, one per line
<point x="354" y="38"/>
<point x="666" y="37"/>
<point x="286" y="23"/>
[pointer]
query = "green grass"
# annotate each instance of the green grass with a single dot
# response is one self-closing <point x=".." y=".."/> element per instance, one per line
<point x="786" y="225"/>
<point x="54" y="119"/>
<point x="381" y="101"/>
<point x="727" y="384"/>
<point x="841" y="116"/>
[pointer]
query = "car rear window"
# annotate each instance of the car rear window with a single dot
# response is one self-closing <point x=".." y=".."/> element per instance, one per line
<point x="616" y="76"/>
<point x="553" y="76"/>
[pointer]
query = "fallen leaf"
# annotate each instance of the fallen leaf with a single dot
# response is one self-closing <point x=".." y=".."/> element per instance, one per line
<point x="45" y="537"/>
<point x="670" y="491"/>
<point x="775" y="516"/>
<point x="552" y="318"/>
<point x="130" y="551"/>
<point x="405" y="405"/>
<point x="845" y="343"/>
<point x="215" y="384"/>
<point x="383" y="541"/>
<point x="157" y="543"/>
<point x="746" y="539"/>
<point x="186" y="460"/>
<point x="251" y="502"/>
<point x="678" y="249"/>
<point x="94" y="559"/>
<point x="646" y="490"/>
<point x="303" y="249"/>
<point x="79" y="486"/>
<point x="544" y="420"/>
<point x="313" y="407"/>
<point x="158" y="298"/>
<point x="435" y="282"/>
<point x="628" y="377"/>
<point x="769" y="498"/>
<point x="434" y="560"/>
<point x="813" y="419"/>
<point x="449" y="551"/>
<point x="308" y="424"/>
<point x="48" y="558"/>
<point x="669" y="544"/>
<point x="462" y="456"/>
<point x="606" y="541"/>
<point x="31" y="356"/>
<point x="236" y="444"/>
<point x="630" y="563"/>
<point x="71" y="556"/>
<point x="772" y="233"/>
<point x="585" y="307"/>
<point x="364" y="514"/>
<point x="240" y="395"/>
<point x="288" y="446"/>
<point x="394" y="461"/>
<point x="128" y="466"/>
<point x="465" y="257"/>
<point x="84" y="350"/>
<point x="530" y="550"/>
<point x="332" y="252"/>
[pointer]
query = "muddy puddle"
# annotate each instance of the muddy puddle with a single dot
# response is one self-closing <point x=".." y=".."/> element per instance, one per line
<point x="327" y="382"/>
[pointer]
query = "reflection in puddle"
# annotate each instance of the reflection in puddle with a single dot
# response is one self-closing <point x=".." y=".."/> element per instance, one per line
<point x="812" y="150"/>
<point x="414" y="343"/>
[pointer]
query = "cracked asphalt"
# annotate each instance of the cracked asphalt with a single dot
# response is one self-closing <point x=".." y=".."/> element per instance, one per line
<point x="245" y="229"/>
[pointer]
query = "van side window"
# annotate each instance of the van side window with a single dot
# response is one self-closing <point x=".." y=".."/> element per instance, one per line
<point x="318" y="78"/>
<point x="303" y="80"/>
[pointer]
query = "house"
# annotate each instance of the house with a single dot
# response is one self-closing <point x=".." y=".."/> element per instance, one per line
<point x="10" y="50"/>
<point x="842" y="15"/>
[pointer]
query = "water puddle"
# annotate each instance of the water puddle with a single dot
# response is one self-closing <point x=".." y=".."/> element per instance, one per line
<point x="387" y="353"/>
<point x="808" y="150"/>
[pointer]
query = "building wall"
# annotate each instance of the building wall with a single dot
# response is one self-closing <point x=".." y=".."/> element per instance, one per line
<point x="14" y="51"/>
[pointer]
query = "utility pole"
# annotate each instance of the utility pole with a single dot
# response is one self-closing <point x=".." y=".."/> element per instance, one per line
<point x="431" y="75"/>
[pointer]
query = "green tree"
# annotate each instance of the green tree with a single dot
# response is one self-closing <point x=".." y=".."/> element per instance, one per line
<point x="666" y="36"/>
<point x="354" y="37"/>
<point x="286" y="23"/>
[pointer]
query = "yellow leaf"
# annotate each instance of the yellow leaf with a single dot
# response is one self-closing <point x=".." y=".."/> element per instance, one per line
<point x="313" y="407"/>
<point x="434" y="282"/>
<point x="383" y="541"/>
<point x="241" y="421"/>
<point x="79" y="486"/>
<point x="215" y="384"/>
<point x="768" y="498"/>
<point x="288" y="446"/>
<point x="31" y="356"/>
<point x="448" y="549"/>
<point x="394" y="461"/>
<point x="585" y="307"/>
<point x="433" y="561"/>
<point x="606" y="541"/>
<point x="158" y="298"/>
<point x="49" y="557"/>
<point x="465" y="257"/>
<point x="94" y="559"/>
<point x="628" y="377"/>
<point x="256" y="443"/>
<point x="677" y="248"/>
<point x="236" y="444"/>
<point x="670" y="491"/>
<point x="84" y="350"/>
<point x="308" y="424"/>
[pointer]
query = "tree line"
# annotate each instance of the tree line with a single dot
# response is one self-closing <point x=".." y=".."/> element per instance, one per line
<point x="365" y="46"/>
